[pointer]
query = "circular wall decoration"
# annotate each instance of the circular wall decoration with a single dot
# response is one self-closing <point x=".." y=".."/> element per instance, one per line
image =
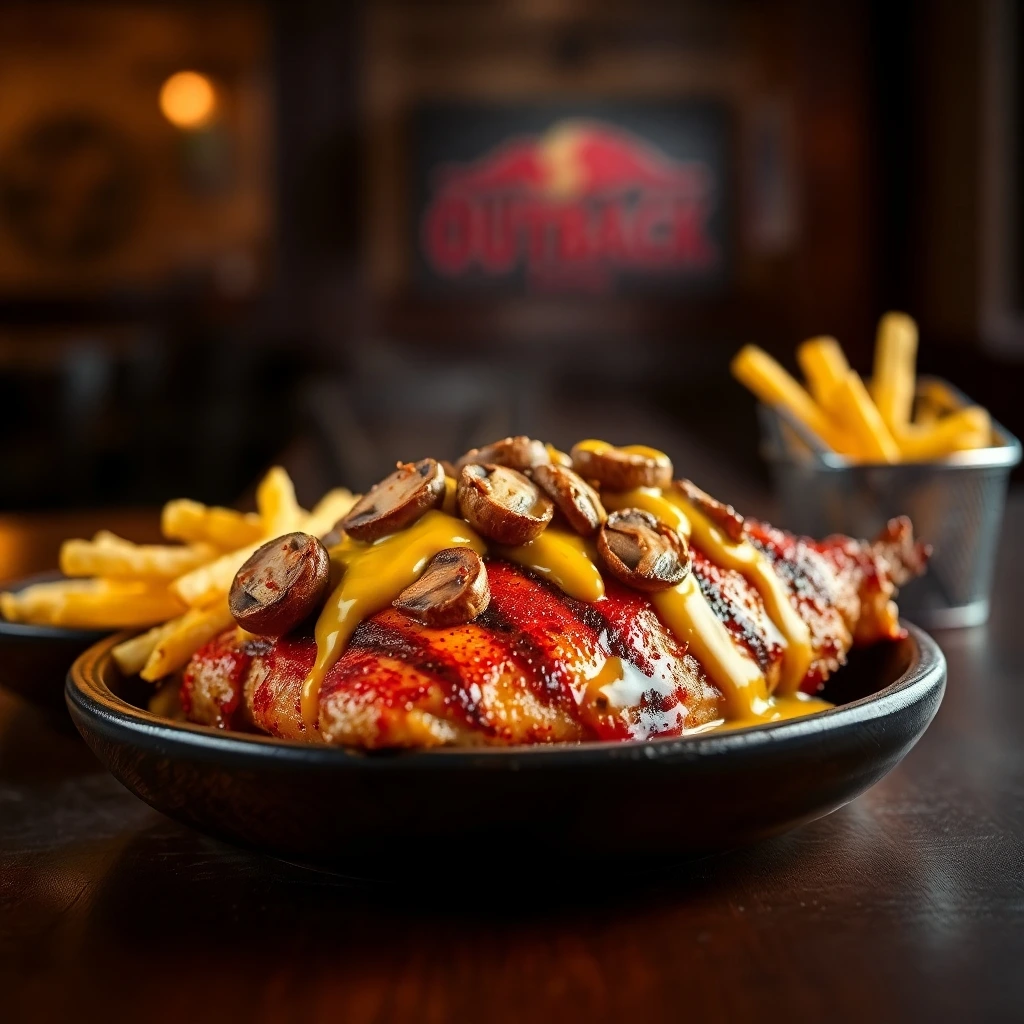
<point x="70" y="188"/>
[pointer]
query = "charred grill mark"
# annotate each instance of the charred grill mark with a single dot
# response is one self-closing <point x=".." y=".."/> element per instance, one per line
<point x="618" y="642"/>
<point x="662" y="705"/>
<point x="545" y="671"/>
<point x="794" y="562"/>
<point x="590" y="617"/>
<point x="736" y="617"/>
<point x="544" y="634"/>
<point x="820" y="585"/>
<point x="374" y="637"/>
<point x="414" y="649"/>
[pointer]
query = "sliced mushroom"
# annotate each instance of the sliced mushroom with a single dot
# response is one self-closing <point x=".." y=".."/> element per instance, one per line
<point x="452" y="590"/>
<point x="725" y="517"/>
<point x="621" y="469"/>
<point x="280" y="585"/>
<point x="397" y="501"/>
<point x="573" y="497"/>
<point x="518" y="452"/>
<point x="643" y="552"/>
<point x="502" y="504"/>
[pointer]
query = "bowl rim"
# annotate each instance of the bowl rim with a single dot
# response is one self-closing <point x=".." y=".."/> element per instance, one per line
<point x="31" y="631"/>
<point x="93" y="705"/>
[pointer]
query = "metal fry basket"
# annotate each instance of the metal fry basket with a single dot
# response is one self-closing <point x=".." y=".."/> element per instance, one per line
<point x="956" y="505"/>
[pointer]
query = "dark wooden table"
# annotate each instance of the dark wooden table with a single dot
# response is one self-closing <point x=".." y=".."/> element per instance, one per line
<point x="906" y="905"/>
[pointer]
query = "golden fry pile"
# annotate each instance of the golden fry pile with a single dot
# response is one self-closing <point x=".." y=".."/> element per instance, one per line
<point x="868" y="423"/>
<point x="180" y="590"/>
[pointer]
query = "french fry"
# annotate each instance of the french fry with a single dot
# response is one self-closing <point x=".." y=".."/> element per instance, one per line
<point x="195" y="523"/>
<point x="959" y="431"/>
<point x="93" y="604"/>
<point x="327" y="511"/>
<point x="121" y="605"/>
<point x="755" y="369"/>
<point x="204" y="585"/>
<point x="892" y="382"/>
<point x="925" y="415"/>
<point x="38" y="603"/>
<point x="275" y="499"/>
<point x="824" y="365"/>
<point x="112" y="556"/>
<point x="195" y="628"/>
<point x="132" y="654"/>
<point x="939" y="396"/>
<point x="863" y="422"/>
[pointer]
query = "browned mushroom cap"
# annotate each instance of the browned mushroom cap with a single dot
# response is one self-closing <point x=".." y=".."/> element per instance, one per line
<point x="519" y="452"/>
<point x="503" y="504"/>
<point x="452" y="590"/>
<point x="280" y="585"/>
<point x="621" y="469"/>
<point x="642" y="552"/>
<point x="397" y="501"/>
<point x="725" y="517"/>
<point x="573" y="497"/>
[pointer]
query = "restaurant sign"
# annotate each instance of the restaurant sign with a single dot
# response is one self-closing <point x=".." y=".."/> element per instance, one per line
<point x="611" y="199"/>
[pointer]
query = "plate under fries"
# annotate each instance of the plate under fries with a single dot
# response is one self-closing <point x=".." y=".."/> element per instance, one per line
<point x="372" y="813"/>
<point x="34" y="659"/>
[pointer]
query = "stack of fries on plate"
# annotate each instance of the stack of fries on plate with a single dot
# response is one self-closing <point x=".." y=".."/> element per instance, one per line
<point x="877" y="422"/>
<point x="179" y="591"/>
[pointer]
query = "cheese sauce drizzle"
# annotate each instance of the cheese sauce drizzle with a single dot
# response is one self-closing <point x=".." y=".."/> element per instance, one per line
<point x="673" y="508"/>
<point x="375" y="574"/>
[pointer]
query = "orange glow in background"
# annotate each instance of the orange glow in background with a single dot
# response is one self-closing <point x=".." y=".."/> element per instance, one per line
<point x="188" y="100"/>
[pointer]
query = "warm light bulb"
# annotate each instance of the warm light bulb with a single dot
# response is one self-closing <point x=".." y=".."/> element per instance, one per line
<point x="188" y="99"/>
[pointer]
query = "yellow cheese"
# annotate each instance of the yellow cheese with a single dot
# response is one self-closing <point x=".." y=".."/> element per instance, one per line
<point x="375" y="574"/>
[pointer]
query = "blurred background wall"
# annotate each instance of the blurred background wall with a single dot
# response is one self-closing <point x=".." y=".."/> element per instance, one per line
<point x="340" y="234"/>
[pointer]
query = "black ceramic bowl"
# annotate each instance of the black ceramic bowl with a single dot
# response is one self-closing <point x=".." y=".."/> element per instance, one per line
<point x="34" y="660"/>
<point x="588" y="802"/>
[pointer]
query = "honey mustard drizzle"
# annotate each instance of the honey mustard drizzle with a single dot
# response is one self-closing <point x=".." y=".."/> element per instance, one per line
<point x="375" y="574"/>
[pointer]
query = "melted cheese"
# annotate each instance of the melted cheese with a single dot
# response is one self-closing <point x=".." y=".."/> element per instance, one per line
<point x="375" y="574"/>
<point x="685" y="611"/>
<point x="778" y="709"/>
<point x="650" y="499"/>
<point x="562" y="558"/>
<point x="597" y="447"/>
<point x="755" y="565"/>
<point x="671" y="507"/>
<point x="451" y="504"/>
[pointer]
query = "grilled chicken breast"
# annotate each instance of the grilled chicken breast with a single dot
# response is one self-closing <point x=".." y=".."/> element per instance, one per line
<point x="540" y="667"/>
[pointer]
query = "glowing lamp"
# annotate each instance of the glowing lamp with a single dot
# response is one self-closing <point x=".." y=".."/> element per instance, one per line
<point x="188" y="99"/>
